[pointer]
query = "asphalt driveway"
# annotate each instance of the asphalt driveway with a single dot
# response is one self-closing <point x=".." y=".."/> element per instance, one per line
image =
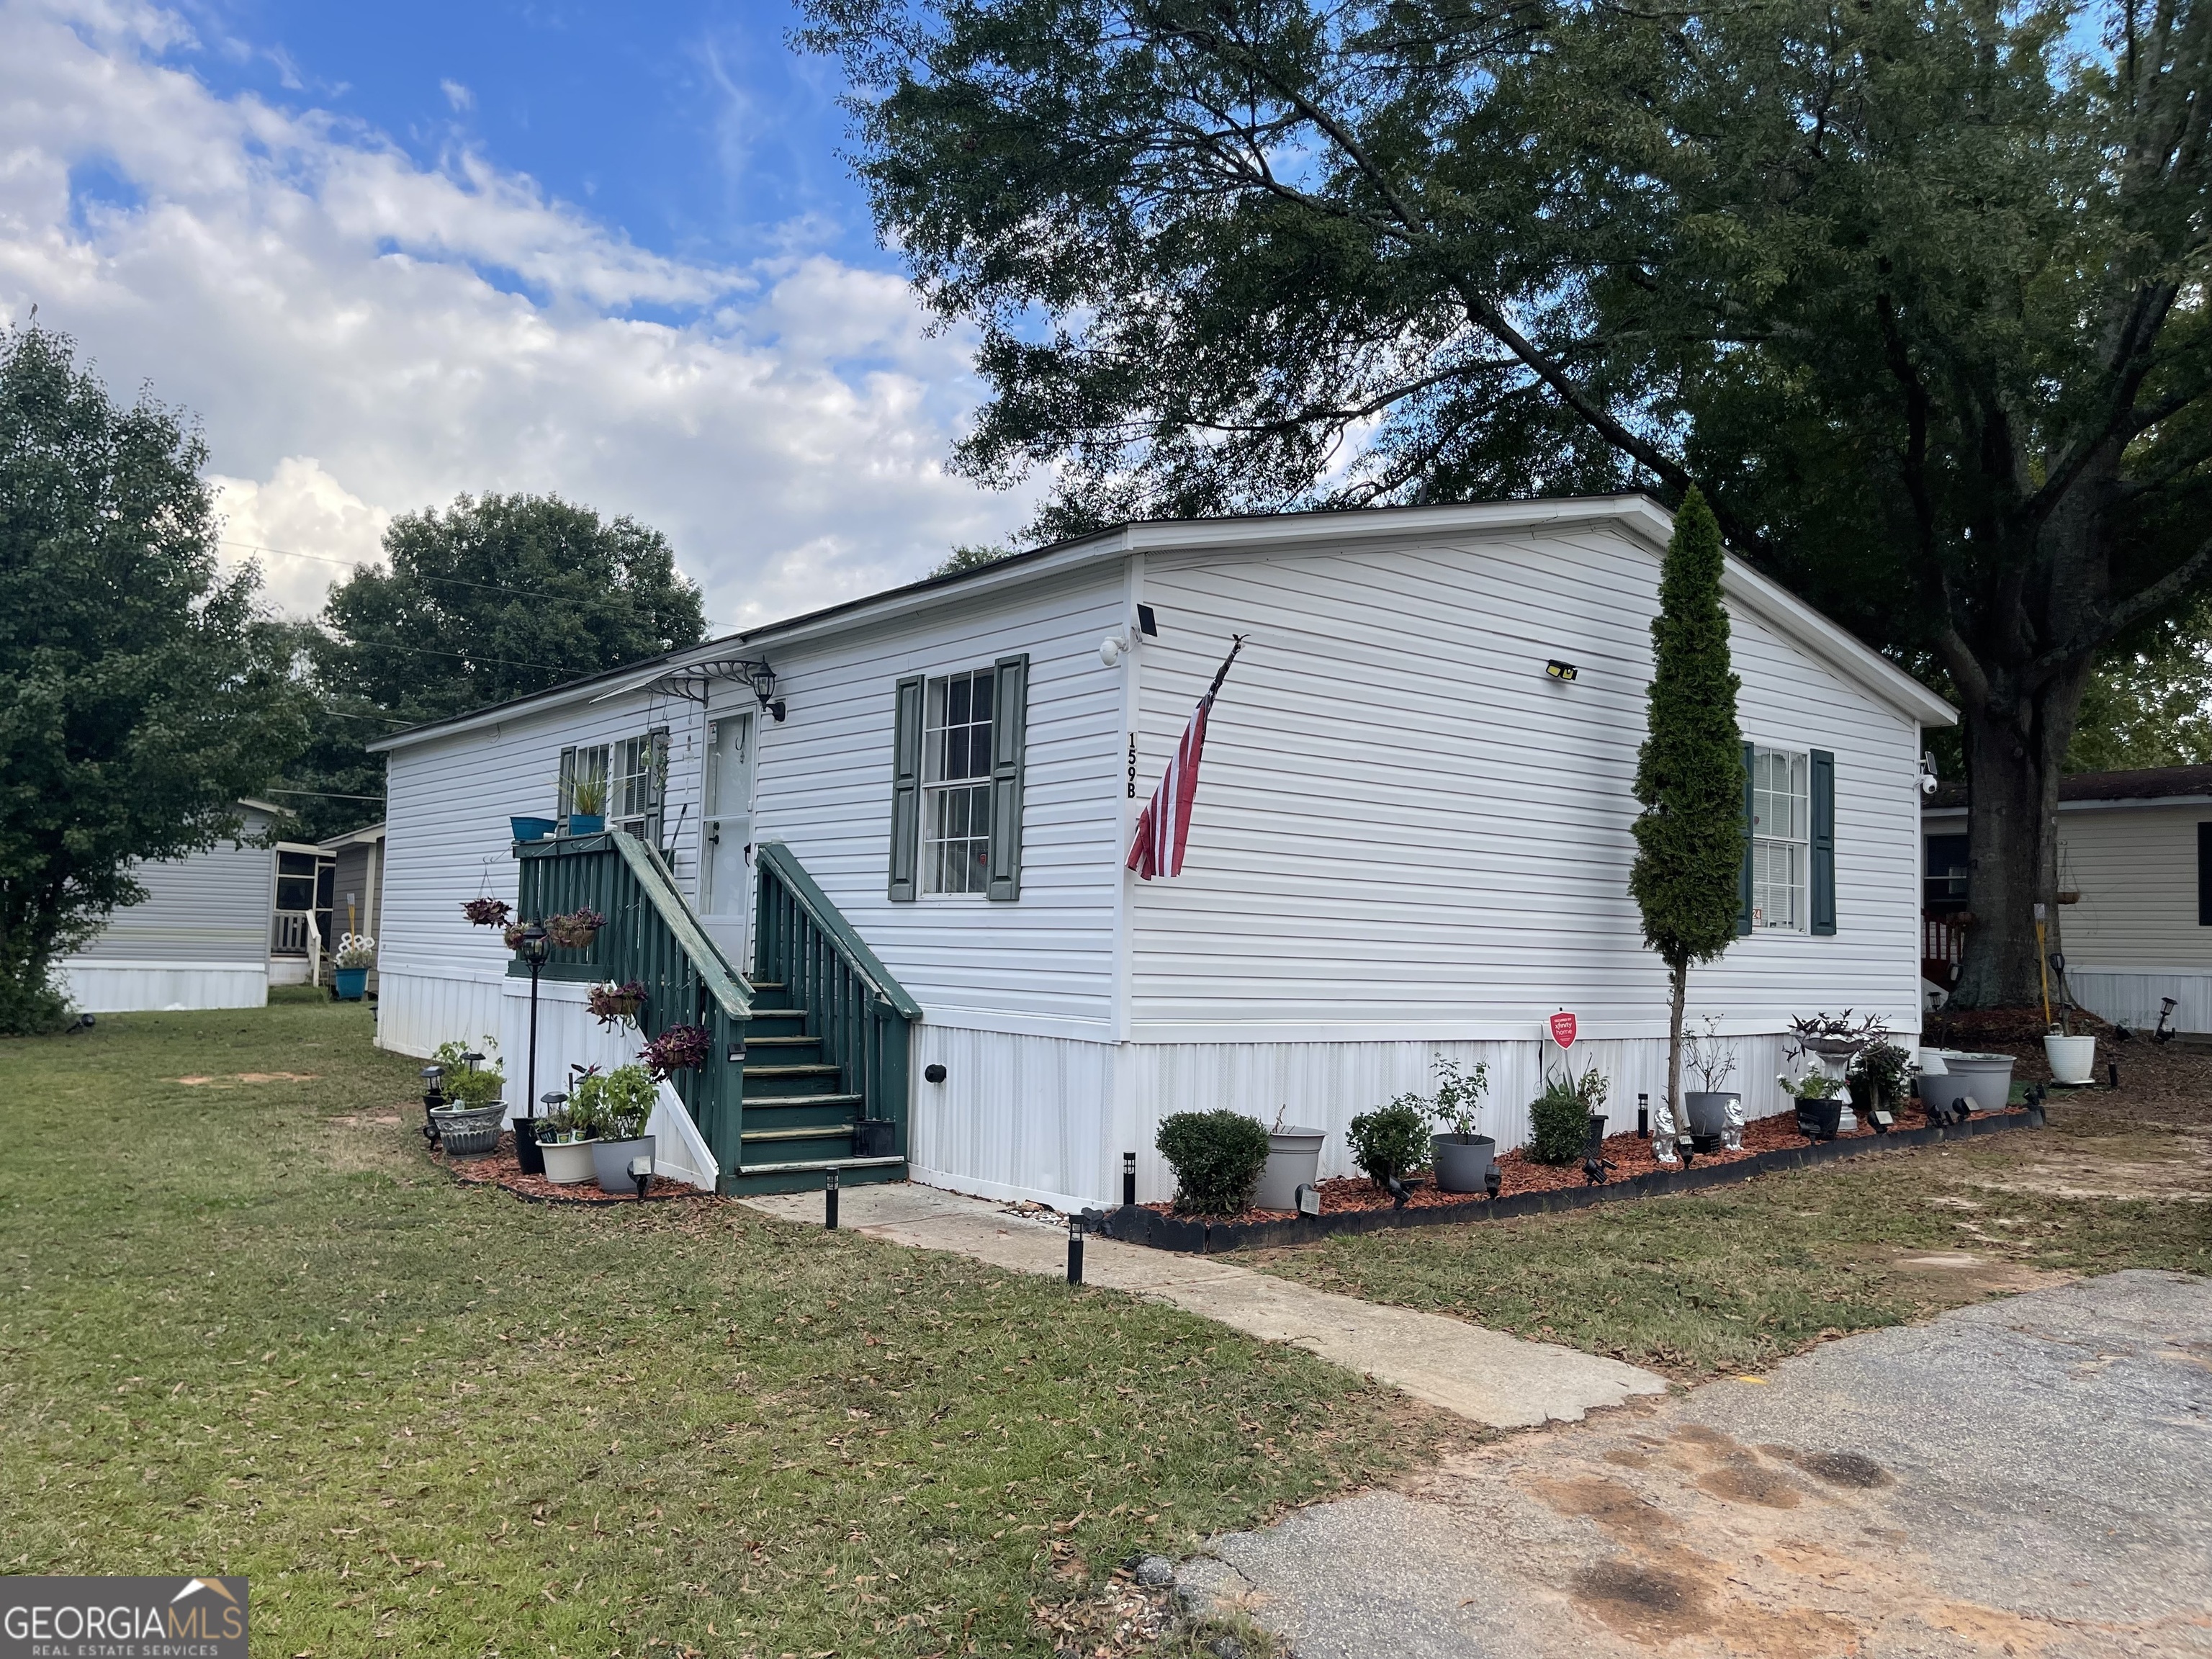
<point x="2027" y="1476"/>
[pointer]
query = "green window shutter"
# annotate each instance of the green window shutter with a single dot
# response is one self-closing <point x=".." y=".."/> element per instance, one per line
<point x="1750" y="828"/>
<point x="906" y="788"/>
<point x="2204" y="875"/>
<point x="1823" y="873"/>
<point x="1010" y="721"/>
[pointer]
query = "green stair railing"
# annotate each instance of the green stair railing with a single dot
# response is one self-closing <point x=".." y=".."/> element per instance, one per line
<point x="862" y="1015"/>
<point x="653" y="936"/>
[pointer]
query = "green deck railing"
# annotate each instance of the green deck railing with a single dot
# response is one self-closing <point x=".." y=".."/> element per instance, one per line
<point x="653" y="936"/>
<point x="862" y="1015"/>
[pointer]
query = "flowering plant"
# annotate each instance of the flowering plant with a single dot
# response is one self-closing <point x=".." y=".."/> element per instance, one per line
<point x="574" y="929"/>
<point x="513" y="934"/>
<point x="487" y="912"/>
<point x="678" y="1049"/>
<point x="611" y="1003"/>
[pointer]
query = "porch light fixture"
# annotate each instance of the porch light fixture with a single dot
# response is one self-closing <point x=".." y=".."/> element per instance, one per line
<point x="762" y="678"/>
<point x="1565" y="671"/>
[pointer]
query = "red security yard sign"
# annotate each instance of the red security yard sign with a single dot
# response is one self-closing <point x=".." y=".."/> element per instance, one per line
<point x="1563" y="1029"/>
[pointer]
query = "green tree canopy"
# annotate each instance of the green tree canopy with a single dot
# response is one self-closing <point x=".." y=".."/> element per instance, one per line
<point x="140" y="694"/>
<point x="1689" y="775"/>
<point x="2149" y="703"/>
<point x="1912" y="289"/>
<point x="495" y="597"/>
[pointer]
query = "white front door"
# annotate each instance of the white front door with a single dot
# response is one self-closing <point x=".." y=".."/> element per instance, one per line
<point x="726" y="893"/>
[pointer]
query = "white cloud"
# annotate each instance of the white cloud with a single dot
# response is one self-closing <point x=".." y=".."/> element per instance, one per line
<point x="458" y="95"/>
<point x="363" y="336"/>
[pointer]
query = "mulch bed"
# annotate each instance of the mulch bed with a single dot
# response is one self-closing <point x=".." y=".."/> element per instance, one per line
<point x="1630" y="1154"/>
<point x="499" y="1168"/>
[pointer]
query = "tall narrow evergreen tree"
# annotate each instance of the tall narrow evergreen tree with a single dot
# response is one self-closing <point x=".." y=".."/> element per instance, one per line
<point x="1689" y="775"/>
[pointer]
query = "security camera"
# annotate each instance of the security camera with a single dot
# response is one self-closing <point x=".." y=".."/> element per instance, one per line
<point x="1927" y="784"/>
<point x="1110" y="650"/>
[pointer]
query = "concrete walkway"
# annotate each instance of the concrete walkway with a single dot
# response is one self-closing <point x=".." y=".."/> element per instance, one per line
<point x="1492" y="1379"/>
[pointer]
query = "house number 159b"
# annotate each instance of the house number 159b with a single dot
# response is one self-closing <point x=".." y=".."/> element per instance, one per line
<point x="1132" y="766"/>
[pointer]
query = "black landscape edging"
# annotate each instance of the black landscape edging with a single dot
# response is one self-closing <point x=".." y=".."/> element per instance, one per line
<point x="1135" y="1224"/>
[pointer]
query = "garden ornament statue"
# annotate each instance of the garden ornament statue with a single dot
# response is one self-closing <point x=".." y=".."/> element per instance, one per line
<point x="1662" y="1135"/>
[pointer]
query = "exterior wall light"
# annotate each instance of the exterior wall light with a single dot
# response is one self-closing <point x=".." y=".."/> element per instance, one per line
<point x="763" y="684"/>
<point x="1560" y="670"/>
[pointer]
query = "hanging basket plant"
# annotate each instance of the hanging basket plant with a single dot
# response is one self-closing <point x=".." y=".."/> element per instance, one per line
<point x="615" y="1005"/>
<point x="487" y="912"/>
<point x="513" y="934"/>
<point x="575" y="929"/>
<point x="678" y="1049"/>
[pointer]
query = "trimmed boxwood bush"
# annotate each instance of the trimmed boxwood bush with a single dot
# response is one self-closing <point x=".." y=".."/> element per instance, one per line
<point x="1391" y="1140"/>
<point x="1217" y="1157"/>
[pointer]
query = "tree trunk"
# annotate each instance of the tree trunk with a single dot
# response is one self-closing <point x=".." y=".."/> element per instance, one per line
<point x="2014" y="749"/>
<point x="1680" y="973"/>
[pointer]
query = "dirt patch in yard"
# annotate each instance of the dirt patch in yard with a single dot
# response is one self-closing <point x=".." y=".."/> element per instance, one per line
<point x="249" y="1076"/>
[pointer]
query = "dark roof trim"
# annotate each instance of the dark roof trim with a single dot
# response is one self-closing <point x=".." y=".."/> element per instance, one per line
<point x="2143" y="783"/>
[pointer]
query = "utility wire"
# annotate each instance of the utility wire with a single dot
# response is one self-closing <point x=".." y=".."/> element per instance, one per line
<point x="417" y="575"/>
<point x="322" y="795"/>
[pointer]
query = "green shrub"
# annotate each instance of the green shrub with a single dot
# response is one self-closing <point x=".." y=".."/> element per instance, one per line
<point x="1391" y="1140"/>
<point x="1558" y="1119"/>
<point x="463" y="1087"/>
<point x="1217" y="1157"/>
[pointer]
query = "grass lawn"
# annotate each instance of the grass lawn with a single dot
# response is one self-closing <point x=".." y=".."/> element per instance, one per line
<point x="250" y="1327"/>
<point x="1694" y="1285"/>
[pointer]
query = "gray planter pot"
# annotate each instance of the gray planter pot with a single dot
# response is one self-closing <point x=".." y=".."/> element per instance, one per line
<point x="1293" y="1160"/>
<point x="1708" y="1111"/>
<point x="611" y="1161"/>
<point x="1462" y="1166"/>
<point x="1987" y="1079"/>
<point x="469" y="1131"/>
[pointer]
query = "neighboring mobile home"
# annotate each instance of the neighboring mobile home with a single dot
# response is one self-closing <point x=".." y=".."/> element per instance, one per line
<point x="356" y="886"/>
<point x="2133" y="920"/>
<point x="199" y="939"/>
<point x="1412" y="838"/>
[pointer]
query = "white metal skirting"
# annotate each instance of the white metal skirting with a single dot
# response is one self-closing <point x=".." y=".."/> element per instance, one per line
<point x="1048" y="1118"/>
<point x="116" y="987"/>
<point x="417" y="1012"/>
<point x="2132" y="996"/>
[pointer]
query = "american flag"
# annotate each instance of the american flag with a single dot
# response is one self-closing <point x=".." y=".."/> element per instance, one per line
<point x="1164" y="827"/>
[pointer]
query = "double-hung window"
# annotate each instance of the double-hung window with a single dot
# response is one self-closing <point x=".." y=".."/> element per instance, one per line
<point x="956" y="783"/>
<point x="1781" y="835"/>
<point x="629" y="777"/>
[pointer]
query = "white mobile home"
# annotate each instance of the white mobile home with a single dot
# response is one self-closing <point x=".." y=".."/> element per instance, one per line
<point x="1412" y="837"/>
<point x="2135" y="889"/>
<point x="200" y="939"/>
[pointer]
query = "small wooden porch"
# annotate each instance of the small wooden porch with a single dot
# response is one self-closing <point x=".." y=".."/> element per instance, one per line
<point x="808" y="1067"/>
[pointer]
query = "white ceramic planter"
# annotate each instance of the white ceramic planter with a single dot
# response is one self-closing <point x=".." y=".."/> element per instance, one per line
<point x="567" y="1163"/>
<point x="2073" y="1058"/>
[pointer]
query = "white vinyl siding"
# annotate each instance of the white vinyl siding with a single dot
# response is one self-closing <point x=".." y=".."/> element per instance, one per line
<point x="448" y="840"/>
<point x="1045" y="964"/>
<point x="1781" y="831"/>
<point x="208" y="908"/>
<point x="1403" y="827"/>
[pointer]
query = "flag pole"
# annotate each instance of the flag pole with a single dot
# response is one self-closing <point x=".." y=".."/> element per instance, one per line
<point x="1236" y="644"/>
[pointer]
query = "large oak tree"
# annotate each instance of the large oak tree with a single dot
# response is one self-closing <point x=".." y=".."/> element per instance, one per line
<point x="1911" y="290"/>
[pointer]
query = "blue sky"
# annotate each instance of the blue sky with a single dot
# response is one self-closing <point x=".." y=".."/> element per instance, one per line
<point x="385" y="254"/>
<point x="696" y="128"/>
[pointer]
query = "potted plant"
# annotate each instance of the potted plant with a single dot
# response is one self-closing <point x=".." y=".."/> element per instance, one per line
<point x="2073" y="1058"/>
<point x="1391" y="1142"/>
<point x="566" y="1134"/>
<point x="1968" y="1083"/>
<point x="678" y="1049"/>
<point x="1293" y="1160"/>
<point x="575" y="929"/>
<point x="356" y="955"/>
<point x="617" y="1004"/>
<point x="587" y="807"/>
<point x="468" y="1123"/>
<point x="1217" y="1157"/>
<point x="625" y="1106"/>
<point x="1880" y="1076"/>
<point x="1715" y="1063"/>
<point x="1819" y="1103"/>
<point x="487" y="912"/>
<point x="1462" y="1158"/>
<point x="1561" y="1118"/>
<point x="533" y="829"/>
